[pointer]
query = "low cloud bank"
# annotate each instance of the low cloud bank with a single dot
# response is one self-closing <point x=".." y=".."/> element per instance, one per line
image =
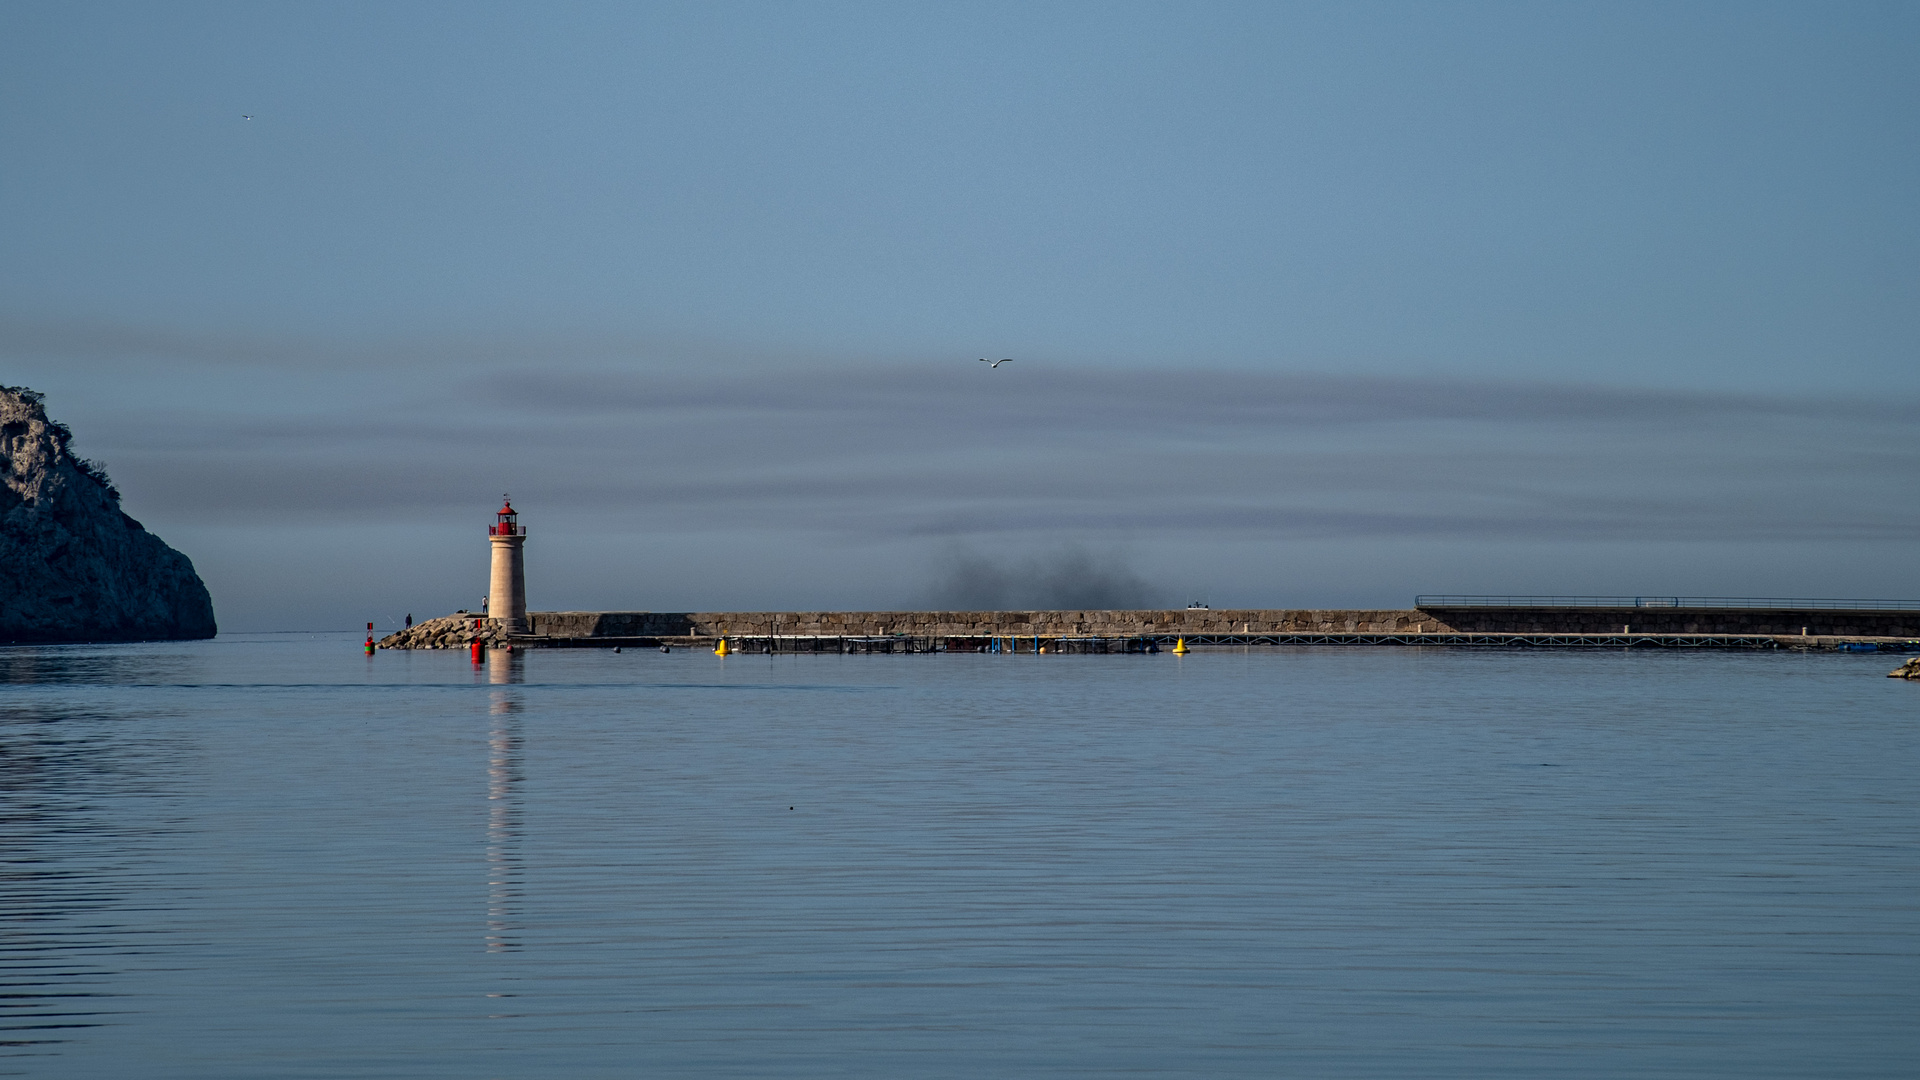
<point x="834" y="480"/>
<point x="1031" y="457"/>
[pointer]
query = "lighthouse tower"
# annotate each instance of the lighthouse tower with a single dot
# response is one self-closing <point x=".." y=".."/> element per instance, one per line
<point x="507" y="593"/>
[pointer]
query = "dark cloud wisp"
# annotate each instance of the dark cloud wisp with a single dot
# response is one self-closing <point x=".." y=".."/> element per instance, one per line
<point x="1070" y="578"/>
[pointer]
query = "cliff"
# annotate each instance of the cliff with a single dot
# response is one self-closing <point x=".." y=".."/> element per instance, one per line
<point x="73" y="567"/>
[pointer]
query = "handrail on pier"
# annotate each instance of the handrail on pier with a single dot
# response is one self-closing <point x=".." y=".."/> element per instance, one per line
<point x="1796" y="603"/>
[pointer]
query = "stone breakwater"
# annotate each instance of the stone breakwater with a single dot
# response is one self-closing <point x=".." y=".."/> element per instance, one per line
<point x="1204" y="621"/>
<point x="457" y="631"/>
<point x="1777" y="622"/>
<point x="448" y="632"/>
<point x="1809" y="628"/>
<point x="963" y="624"/>
<point x="1908" y="670"/>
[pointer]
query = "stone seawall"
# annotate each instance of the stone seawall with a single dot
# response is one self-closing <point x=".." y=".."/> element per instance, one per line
<point x="587" y="624"/>
<point x="1466" y="620"/>
<point x="458" y="631"/>
<point x="1677" y="620"/>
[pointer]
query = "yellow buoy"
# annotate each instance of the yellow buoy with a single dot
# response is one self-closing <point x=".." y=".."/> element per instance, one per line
<point x="1180" y="647"/>
<point x="720" y="649"/>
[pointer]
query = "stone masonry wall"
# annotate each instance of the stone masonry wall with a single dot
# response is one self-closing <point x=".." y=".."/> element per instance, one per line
<point x="1656" y="620"/>
<point x="973" y="623"/>
<point x="457" y="631"/>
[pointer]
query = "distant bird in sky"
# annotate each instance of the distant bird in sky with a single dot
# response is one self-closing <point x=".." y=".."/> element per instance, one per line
<point x="246" y="116"/>
<point x="996" y="363"/>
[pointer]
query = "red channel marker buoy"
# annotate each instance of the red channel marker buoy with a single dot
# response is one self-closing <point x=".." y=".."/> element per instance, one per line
<point x="369" y="639"/>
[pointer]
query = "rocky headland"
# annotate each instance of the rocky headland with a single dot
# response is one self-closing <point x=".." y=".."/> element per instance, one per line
<point x="73" y="566"/>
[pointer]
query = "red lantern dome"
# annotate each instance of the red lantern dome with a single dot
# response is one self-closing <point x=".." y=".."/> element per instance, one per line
<point x="507" y="520"/>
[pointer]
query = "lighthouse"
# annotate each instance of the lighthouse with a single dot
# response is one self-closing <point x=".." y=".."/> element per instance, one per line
<point x="507" y="592"/>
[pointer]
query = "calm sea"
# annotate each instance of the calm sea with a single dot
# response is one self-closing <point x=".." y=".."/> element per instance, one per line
<point x="271" y="856"/>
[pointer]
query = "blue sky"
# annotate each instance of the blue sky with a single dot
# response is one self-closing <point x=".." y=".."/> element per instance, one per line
<point x="1310" y="304"/>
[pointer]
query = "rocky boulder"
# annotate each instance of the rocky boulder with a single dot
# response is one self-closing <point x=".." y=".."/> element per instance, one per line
<point x="73" y="566"/>
<point x="448" y="632"/>
<point x="1908" y="670"/>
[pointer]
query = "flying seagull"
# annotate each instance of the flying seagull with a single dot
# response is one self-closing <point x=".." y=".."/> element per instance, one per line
<point x="996" y="363"/>
<point x="246" y="116"/>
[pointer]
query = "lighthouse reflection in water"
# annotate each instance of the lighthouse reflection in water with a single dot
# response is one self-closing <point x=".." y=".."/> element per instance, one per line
<point x="504" y="777"/>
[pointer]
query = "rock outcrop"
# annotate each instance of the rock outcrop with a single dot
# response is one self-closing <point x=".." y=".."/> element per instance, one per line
<point x="73" y="566"/>
<point x="447" y="632"/>
<point x="1908" y="670"/>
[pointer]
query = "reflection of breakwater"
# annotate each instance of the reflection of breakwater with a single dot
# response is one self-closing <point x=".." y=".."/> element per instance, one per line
<point x="504" y="775"/>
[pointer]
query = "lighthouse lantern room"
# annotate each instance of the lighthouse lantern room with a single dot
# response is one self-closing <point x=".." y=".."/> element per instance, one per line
<point x="507" y="591"/>
<point x="507" y="520"/>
